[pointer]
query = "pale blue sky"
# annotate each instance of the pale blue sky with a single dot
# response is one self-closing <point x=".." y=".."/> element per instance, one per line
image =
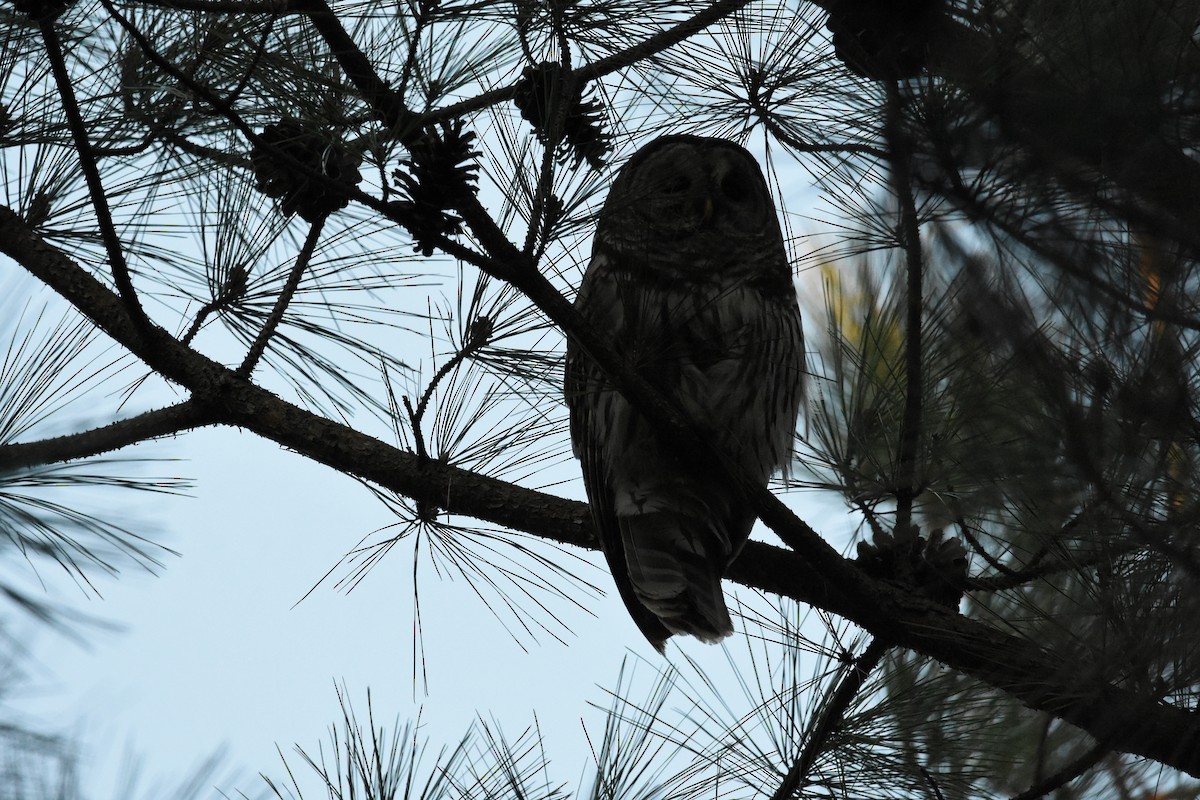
<point x="214" y="653"/>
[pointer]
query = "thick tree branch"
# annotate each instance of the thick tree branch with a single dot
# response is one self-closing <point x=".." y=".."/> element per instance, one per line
<point x="1061" y="685"/>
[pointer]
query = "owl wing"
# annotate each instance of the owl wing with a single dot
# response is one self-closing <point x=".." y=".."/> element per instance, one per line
<point x="590" y="400"/>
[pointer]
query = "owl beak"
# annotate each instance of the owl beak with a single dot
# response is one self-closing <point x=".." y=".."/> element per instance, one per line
<point x="706" y="217"/>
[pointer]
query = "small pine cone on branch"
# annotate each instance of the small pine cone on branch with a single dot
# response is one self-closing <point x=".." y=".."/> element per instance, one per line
<point x="583" y="136"/>
<point x="935" y="565"/>
<point x="884" y="39"/>
<point x="441" y="171"/>
<point x="297" y="193"/>
<point x="41" y="10"/>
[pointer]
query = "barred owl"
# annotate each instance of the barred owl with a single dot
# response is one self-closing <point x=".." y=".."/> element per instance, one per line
<point x="689" y="280"/>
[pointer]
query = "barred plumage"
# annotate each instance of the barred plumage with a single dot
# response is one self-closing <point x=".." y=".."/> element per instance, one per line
<point x="689" y="275"/>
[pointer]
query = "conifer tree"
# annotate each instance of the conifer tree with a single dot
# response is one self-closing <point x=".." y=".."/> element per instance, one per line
<point x="246" y="200"/>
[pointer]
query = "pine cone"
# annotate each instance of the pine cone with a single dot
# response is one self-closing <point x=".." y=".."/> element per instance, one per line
<point x="884" y="39"/>
<point x="583" y="136"/>
<point x="42" y="10"/>
<point x="440" y="172"/>
<point x="297" y="194"/>
<point x="936" y="566"/>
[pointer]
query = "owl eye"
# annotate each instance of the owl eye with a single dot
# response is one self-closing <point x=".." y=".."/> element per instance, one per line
<point x="734" y="187"/>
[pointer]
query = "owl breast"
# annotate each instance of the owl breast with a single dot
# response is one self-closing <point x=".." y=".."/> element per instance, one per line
<point x="724" y="351"/>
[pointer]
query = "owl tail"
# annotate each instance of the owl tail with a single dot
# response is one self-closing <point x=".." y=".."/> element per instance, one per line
<point x="674" y="576"/>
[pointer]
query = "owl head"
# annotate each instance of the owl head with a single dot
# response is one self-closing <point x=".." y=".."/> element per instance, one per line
<point x="701" y="196"/>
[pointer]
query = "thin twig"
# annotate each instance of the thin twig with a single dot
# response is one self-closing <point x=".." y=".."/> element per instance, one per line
<point x="259" y="51"/>
<point x="832" y="712"/>
<point x="978" y="547"/>
<point x="418" y="436"/>
<point x="605" y="66"/>
<point x="661" y="41"/>
<point x="232" y="289"/>
<point x="928" y="776"/>
<point x="226" y="6"/>
<point x="180" y="142"/>
<point x="285" y="298"/>
<point x="410" y="61"/>
<point x="478" y="335"/>
<point x="1069" y="772"/>
<point x="764" y="115"/>
<point x="798" y="146"/>
<point x="91" y="173"/>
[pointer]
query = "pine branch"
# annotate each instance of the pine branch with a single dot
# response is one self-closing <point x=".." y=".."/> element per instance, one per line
<point x="388" y="210"/>
<point x="359" y="68"/>
<point x="660" y="41"/>
<point x="1069" y="772"/>
<point x="977" y="210"/>
<point x="899" y="157"/>
<point x="834" y="709"/>
<point x="225" y="6"/>
<point x="1053" y="119"/>
<point x="1120" y="718"/>
<point x="285" y="298"/>
<point x="631" y="55"/>
<point x="91" y="173"/>
<point x="788" y="139"/>
<point x="85" y="444"/>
